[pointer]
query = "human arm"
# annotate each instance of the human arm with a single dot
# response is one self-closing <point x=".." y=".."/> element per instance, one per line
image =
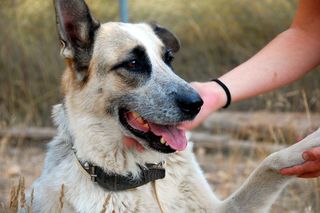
<point x="284" y="60"/>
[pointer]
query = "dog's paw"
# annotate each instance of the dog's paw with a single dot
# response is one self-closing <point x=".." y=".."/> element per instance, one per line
<point x="292" y="155"/>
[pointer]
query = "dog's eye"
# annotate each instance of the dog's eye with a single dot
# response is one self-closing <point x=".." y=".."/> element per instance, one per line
<point x="132" y="64"/>
<point x="168" y="57"/>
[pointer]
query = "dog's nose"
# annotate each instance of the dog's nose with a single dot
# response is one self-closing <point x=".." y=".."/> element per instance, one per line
<point x="189" y="103"/>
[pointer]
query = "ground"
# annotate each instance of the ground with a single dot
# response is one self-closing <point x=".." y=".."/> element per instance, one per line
<point x="224" y="170"/>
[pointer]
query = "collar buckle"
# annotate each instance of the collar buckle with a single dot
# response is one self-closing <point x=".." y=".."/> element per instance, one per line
<point x="115" y="182"/>
<point x="159" y="165"/>
<point x="91" y="169"/>
<point x="93" y="174"/>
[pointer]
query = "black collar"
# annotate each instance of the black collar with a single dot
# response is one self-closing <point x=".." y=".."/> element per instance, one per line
<point x="116" y="182"/>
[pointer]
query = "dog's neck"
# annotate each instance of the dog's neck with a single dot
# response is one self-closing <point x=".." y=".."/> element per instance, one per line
<point x="99" y="141"/>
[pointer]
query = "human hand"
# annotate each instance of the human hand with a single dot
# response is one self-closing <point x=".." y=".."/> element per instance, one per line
<point x="309" y="169"/>
<point x="213" y="96"/>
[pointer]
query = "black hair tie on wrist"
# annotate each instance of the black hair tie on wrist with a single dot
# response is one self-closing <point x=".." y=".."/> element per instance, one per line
<point x="227" y="91"/>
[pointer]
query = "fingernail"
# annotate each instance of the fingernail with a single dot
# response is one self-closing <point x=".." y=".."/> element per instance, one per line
<point x="305" y="156"/>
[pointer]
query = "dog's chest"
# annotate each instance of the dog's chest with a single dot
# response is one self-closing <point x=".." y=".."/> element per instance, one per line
<point x="164" y="195"/>
<point x="158" y="196"/>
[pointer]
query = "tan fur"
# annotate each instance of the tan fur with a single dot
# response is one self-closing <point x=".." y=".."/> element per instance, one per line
<point x="88" y="122"/>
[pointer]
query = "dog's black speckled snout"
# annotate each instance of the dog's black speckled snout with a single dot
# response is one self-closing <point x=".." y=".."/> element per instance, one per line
<point x="189" y="102"/>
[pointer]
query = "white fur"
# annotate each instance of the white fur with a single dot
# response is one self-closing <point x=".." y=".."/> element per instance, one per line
<point x="97" y="137"/>
<point x="184" y="189"/>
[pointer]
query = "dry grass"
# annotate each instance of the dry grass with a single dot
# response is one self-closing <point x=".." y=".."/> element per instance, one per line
<point x="224" y="171"/>
<point x="106" y="203"/>
<point x="17" y="198"/>
<point x="61" y="197"/>
<point x="216" y="36"/>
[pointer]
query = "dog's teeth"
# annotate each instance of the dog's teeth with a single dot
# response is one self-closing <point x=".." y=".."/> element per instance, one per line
<point x="146" y="126"/>
<point x="162" y="141"/>
<point x="140" y="120"/>
<point x="135" y="115"/>
<point x="166" y="144"/>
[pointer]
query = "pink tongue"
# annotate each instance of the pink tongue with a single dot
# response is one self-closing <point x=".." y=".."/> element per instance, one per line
<point x="174" y="137"/>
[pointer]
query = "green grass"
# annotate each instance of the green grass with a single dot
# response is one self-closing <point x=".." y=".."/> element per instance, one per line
<point x="215" y="35"/>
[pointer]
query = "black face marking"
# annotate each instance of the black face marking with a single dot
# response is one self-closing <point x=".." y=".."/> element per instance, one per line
<point x="129" y="80"/>
<point x="135" y="69"/>
<point x="168" y="57"/>
<point x="136" y="62"/>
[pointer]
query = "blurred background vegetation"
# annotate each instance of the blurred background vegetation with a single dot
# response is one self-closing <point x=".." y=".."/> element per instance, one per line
<point x="216" y="35"/>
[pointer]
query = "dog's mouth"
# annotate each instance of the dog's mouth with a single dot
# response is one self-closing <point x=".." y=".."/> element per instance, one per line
<point x="162" y="138"/>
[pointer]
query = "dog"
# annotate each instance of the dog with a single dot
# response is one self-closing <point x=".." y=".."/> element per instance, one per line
<point x="119" y="82"/>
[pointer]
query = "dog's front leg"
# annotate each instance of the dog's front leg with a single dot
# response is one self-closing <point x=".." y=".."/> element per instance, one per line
<point x="265" y="183"/>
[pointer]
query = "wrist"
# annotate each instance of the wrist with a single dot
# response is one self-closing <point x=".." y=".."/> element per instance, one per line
<point x="218" y="92"/>
<point x="212" y="93"/>
<point x="226" y="90"/>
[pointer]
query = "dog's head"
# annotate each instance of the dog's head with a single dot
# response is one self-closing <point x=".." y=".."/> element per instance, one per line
<point x="123" y="72"/>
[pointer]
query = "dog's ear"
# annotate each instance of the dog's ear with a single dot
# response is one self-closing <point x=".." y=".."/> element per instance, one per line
<point x="76" y="29"/>
<point x="167" y="37"/>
